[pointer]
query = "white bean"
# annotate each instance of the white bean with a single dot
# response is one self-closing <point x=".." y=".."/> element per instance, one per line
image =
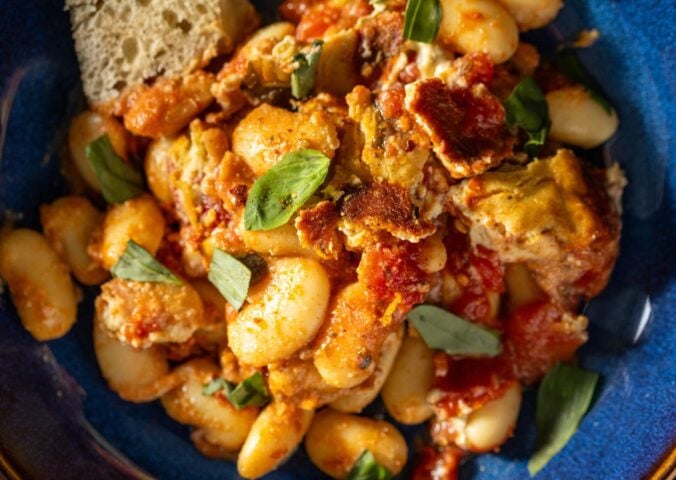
<point x="284" y="312"/>
<point x="273" y="438"/>
<point x="297" y="381"/>
<point x="68" y="224"/>
<point x="138" y="219"/>
<point x="531" y="14"/>
<point x="337" y="70"/>
<point x="493" y="304"/>
<point x="521" y="288"/>
<point x="450" y="288"/>
<point x="168" y="105"/>
<point x="159" y="165"/>
<point x="280" y="241"/>
<point x="347" y="347"/>
<point x="578" y="119"/>
<point x="220" y="423"/>
<point x="130" y="372"/>
<point x="472" y="26"/>
<point x="433" y="254"/>
<point x="84" y="129"/>
<point x="265" y="39"/>
<point x="267" y="133"/>
<point x="357" y="398"/>
<point x="211" y="298"/>
<point x="405" y="391"/>
<point x="336" y="440"/>
<point x="39" y="283"/>
<point x="489" y="426"/>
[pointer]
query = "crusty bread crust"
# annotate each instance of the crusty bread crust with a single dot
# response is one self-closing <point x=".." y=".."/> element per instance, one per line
<point x="122" y="43"/>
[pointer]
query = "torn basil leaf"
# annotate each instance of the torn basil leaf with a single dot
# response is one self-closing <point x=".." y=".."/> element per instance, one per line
<point x="257" y="265"/>
<point x="441" y="330"/>
<point x="275" y="196"/>
<point x="230" y="276"/>
<point x="367" y="468"/>
<point x="563" y="398"/>
<point x="422" y="20"/>
<point x="249" y="393"/>
<point x="216" y="385"/>
<point x="119" y="180"/>
<point x="569" y="64"/>
<point x="303" y="77"/>
<point x="138" y="264"/>
<point x="526" y="107"/>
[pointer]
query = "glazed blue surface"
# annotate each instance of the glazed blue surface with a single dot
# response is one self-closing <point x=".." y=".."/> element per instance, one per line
<point x="59" y="420"/>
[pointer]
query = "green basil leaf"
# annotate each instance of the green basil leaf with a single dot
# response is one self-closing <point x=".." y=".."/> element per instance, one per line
<point x="257" y="265"/>
<point x="250" y="392"/>
<point x="441" y="330"/>
<point x="216" y="385"/>
<point x="136" y="263"/>
<point x="367" y="468"/>
<point x="563" y="398"/>
<point x="569" y="64"/>
<point x="526" y="107"/>
<point x="275" y="196"/>
<point x="119" y="180"/>
<point x="303" y="77"/>
<point x="422" y="20"/>
<point x="230" y="276"/>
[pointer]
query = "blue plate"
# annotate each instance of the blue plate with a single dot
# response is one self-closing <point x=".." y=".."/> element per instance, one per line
<point x="58" y="420"/>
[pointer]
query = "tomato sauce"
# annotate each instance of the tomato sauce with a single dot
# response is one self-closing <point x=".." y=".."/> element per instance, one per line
<point x="315" y="18"/>
<point x="435" y="464"/>
<point x="293" y="10"/>
<point x="393" y="269"/>
<point x="469" y="381"/>
<point x="481" y="272"/>
<point x="316" y="21"/>
<point x="536" y="339"/>
<point x="475" y="68"/>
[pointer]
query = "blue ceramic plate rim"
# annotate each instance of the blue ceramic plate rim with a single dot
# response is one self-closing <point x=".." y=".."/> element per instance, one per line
<point x="53" y="404"/>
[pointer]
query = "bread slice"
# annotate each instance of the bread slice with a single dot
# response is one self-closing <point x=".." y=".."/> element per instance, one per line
<point x="122" y="43"/>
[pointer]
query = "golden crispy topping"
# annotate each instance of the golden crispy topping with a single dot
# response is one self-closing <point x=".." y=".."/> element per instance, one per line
<point x="466" y="125"/>
<point x="318" y="229"/>
<point x="381" y="206"/>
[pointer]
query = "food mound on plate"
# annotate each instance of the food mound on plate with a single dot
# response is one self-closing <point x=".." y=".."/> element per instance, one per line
<point x="288" y="220"/>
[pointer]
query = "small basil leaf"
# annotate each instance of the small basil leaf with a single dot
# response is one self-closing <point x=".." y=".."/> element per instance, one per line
<point x="367" y="468"/>
<point x="136" y="263"/>
<point x="249" y="393"/>
<point x="568" y="64"/>
<point x="303" y="77"/>
<point x="230" y="276"/>
<point x="441" y="330"/>
<point x="119" y="180"/>
<point x="216" y="385"/>
<point x="257" y="266"/>
<point x="275" y="196"/>
<point x="422" y="20"/>
<point x="526" y="107"/>
<point x="563" y="398"/>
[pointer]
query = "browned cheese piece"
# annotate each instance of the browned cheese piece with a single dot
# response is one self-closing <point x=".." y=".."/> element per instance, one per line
<point x="466" y="125"/>
<point x="555" y="215"/>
